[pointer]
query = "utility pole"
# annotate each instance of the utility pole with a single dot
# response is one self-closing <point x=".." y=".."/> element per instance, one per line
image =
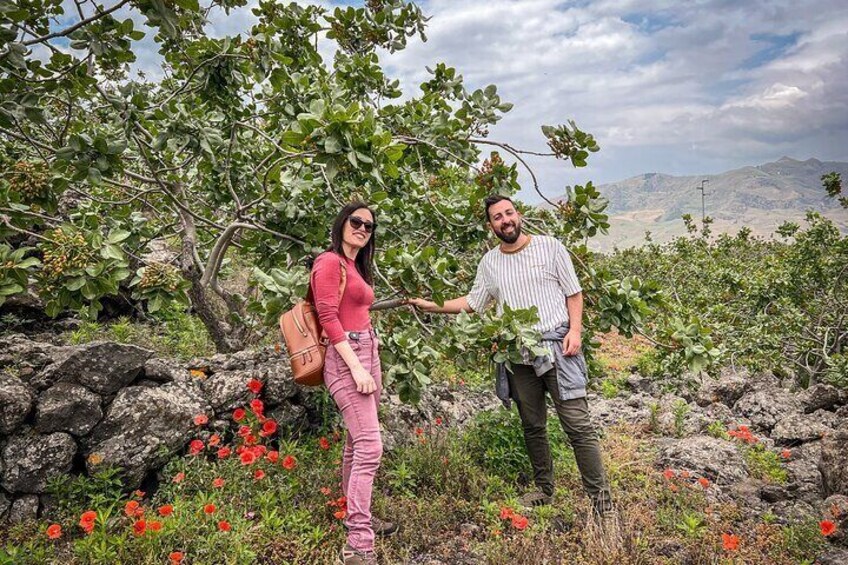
<point x="703" y="206"/>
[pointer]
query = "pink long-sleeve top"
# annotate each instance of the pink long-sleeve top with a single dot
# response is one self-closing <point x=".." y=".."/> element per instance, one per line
<point x="351" y="312"/>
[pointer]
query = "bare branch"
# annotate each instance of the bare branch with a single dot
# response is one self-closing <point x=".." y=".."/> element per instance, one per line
<point x="69" y="30"/>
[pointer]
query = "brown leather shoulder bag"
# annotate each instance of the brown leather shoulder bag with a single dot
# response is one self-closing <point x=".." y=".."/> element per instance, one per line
<point x="305" y="340"/>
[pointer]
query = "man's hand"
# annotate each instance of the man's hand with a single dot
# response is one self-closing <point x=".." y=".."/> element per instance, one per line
<point x="425" y="305"/>
<point x="571" y="343"/>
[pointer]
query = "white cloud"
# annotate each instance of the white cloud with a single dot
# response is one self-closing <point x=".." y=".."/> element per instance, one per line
<point x="677" y="87"/>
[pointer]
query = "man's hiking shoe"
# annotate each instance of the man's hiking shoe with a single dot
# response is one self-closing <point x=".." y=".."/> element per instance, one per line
<point x="535" y="499"/>
<point x="604" y="513"/>
<point x="350" y="556"/>
<point x="382" y="528"/>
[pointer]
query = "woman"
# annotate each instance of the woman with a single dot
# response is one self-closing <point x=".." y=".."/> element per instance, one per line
<point x="352" y="370"/>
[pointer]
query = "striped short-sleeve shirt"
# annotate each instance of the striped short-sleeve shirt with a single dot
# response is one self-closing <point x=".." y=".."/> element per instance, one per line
<point x="540" y="275"/>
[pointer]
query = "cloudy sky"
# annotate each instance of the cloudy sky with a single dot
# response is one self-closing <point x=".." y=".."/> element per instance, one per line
<point x="678" y="87"/>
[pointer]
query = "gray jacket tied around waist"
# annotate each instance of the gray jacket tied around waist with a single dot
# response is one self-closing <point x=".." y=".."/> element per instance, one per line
<point x="572" y="375"/>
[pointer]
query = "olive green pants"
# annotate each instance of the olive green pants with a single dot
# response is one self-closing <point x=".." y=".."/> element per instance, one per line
<point x="528" y="390"/>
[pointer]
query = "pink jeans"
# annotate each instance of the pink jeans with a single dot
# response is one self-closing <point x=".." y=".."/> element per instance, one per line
<point x="363" y="447"/>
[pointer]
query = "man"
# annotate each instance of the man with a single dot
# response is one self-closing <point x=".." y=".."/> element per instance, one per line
<point x="525" y="271"/>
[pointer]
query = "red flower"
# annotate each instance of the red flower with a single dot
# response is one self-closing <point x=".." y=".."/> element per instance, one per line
<point x="239" y="414"/>
<point x="195" y="447"/>
<point x="438" y="421"/>
<point x="209" y="509"/>
<point x="201" y="420"/>
<point x="507" y="513"/>
<point x="269" y="428"/>
<point x="224" y="526"/>
<point x="254" y="385"/>
<point x="684" y="474"/>
<point x="668" y="474"/>
<point x="248" y="457"/>
<point x="132" y="509"/>
<point x="519" y="522"/>
<point x="139" y="493"/>
<point x="218" y="483"/>
<point x="214" y="440"/>
<point x="323" y="443"/>
<point x="179" y="477"/>
<point x="273" y="456"/>
<point x="786" y="454"/>
<point x="244" y="431"/>
<point x="224" y="452"/>
<point x="258" y="475"/>
<point x="419" y="431"/>
<point x="54" y="531"/>
<point x="289" y="462"/>
<point x="176" y="557"/>
<point x="827" y="527"/>
<point x="729" y="542"/>
<point x="250" y="439"/>
<point x="154" y="526"/>
<point x="340" y="514"/>
<point x="704" y="482"/>
<point x="325" y="491"/>
<point x="166" y="510"/>
<point x="87" y="521"/>
<point x="139" y="528"/>
<point x="257" y="407"/>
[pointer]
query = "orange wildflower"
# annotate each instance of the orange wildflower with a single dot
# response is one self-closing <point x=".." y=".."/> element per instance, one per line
<point x="729" y="542"/>
<point x="827" y="527"/>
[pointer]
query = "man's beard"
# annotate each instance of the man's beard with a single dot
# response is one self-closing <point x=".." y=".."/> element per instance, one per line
<point x="513" y="235"/>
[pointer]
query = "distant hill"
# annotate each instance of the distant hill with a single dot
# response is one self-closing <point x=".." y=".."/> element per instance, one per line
<point x="761" y="198"/>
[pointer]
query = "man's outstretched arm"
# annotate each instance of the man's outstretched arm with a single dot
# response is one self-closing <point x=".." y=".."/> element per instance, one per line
<point x="454" y="306"/>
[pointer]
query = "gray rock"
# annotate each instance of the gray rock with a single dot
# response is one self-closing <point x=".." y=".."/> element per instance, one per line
<point x="292" y="416"/>
<point x="804" y="479"/>
<point x="19" y="351"/>
<point x="15" y="403"/>
<point x="726" y="389"/>
<point x="31" y="460"/>
<point x="821" y="397"/>
<point x="834" y="461"/>
<point x="607" y="412"/>
<point x="638" y="383"/>
<point x="716" y="459"/>
<point x="165" y="371"/>
<point x="279" y="384"/>
<point x="5" y="504"/>
<point x="833" y="557"/>
<point x="67" y="407"/>
<point x="102" y="366"/>
<point x="143" y="427"/>
<point x="774" y="493"/>
<point x="24" y="509"/>
<point x="764" y="408"/>
<point x="835" y="509"/>
<point x="227" y="390"/>
<point x="799" y="427"/>
<point x="793" y="511"/>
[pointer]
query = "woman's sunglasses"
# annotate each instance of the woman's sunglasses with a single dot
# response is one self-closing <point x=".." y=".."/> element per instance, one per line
<point x="356" y="223"/>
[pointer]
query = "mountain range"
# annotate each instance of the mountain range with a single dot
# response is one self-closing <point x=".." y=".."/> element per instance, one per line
<point x="760" y="197"/>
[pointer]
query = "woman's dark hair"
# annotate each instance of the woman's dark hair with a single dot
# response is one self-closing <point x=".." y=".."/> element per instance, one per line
<point x="365" y="257"/>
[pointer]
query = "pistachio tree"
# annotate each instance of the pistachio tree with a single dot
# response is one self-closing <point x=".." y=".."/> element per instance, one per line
<point x="243" y="151"/>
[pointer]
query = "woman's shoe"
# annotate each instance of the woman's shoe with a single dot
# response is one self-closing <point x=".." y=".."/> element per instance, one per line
<point x="350" y="556"/>
<point x="382" y="528"/>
